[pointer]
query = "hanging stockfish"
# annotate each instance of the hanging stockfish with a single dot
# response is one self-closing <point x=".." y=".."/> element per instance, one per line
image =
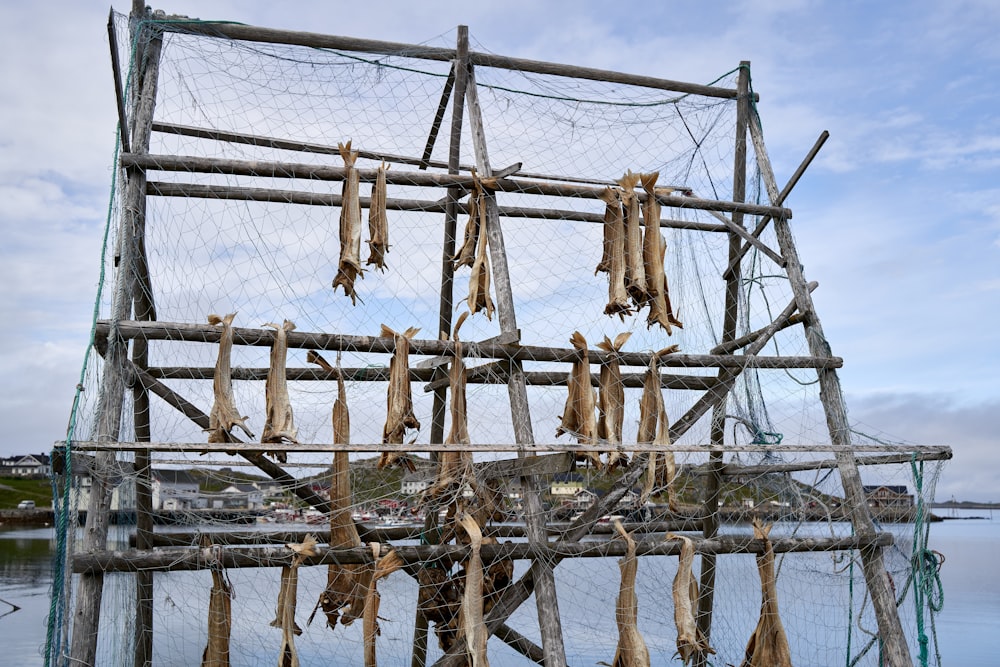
<point x="473" y="629"/>
<point x="614" y="246"/>
<point x="653" y="251"/>
<point x="399" y="404"/>
<point x="635" y="275"/>
<point x="611" y="400"/>
<point x="378" y="223"/>
<point x="479" y="281"/>
<point x="384" y="566"/>
<point x="346" y="585"/>
<point x="631" y="650"/>
<point x="768" y="645"/>
<point x="578" y="417"/>
<point x="466" y="254"/>
<point x="287" y="594"/>
<point x="439" y="599"/>
<point x="455" y="467"/>
<point x="349" y="267"/>
<point x="224" y="416"/>
<point x="654" y="428"/>
<point x="220" y="615"/>
<point x="691" y="641"/>
<point x="279" y="425"/>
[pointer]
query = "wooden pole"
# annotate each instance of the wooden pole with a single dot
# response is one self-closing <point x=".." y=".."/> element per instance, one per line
<point x="713" y="480"/>
<point x="547" y="602"/>
<point x="204" y="333"/>
<point x="895" y="650"/>
<point x="781" y="197"/>
<point x="90" y="588"/>
<point x="269" y="169"/>
<point x="298" y="38"/>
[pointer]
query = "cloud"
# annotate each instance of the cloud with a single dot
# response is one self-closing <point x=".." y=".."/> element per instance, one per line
<point x="940" y="419"/>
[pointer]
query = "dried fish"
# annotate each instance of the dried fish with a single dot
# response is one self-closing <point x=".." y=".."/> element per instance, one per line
<point x="473" y="629"/>
<point x="466" y="254"/>
<point x="384" y="566"/>
<point x="399" y="412"/>
<point x="614" y="244"/>
<point x="768" y="645"/>
<point x="691" y="641"/>
<point x="455" y="467"/>
<point x="635" y="275"/>
<point x="439" y="599"/>
<point x="279" y="425"/>
<point x="349" y="266"/>
<point x="579" y="418"/>
<point x="378" y="223"/>
<point x="611" y="400"/>
<point x="224" y="415"/>
<point x="654" y="428"/>
<point x="220" y="617"/>
<point x="479" y="281"/>
<point x="288" y="656"/>
<point x="346" y="585"/>
<point x="631" y="650"/>
<point x="653" y="250"/>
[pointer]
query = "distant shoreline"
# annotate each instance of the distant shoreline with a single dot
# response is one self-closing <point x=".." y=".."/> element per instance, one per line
<point x="965" y="505"/>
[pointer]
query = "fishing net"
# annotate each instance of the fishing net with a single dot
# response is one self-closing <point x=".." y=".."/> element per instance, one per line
<point x="266" y="246"/>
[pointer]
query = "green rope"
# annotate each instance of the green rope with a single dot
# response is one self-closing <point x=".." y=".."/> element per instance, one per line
<point x="928" y="592"/>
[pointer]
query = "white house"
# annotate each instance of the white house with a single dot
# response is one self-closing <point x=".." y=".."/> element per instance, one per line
<point x="242" y="496"/>
<point x="29" y="465"/>
<point x="175" y="490"/>
<point x="566" y="485"/>
<point x="416" y="482"/>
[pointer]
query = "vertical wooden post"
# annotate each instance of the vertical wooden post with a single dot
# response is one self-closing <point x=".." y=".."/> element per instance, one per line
<point x="458" y="82"/>
<point x="549" y="621"/>
<point x="86" y="616"/>
<point x="713" y="481"/>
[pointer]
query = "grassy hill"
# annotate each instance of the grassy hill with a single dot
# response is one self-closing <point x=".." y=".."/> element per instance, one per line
<point x="15" y="489"/>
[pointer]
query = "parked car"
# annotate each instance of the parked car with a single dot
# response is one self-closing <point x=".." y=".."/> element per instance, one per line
<point x="26" y="505"/>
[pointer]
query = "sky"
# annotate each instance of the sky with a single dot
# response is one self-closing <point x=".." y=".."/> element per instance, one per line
<point x="898" y="218"/>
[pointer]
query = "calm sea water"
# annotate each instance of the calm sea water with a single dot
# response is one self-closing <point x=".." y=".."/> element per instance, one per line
<point x="968" y="628"/>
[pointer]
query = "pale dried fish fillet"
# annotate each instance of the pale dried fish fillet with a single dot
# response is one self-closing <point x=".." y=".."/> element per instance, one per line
<point x="579" y="417"/>
<point x="653" y="251"/>
<point x="346" y="585"/>
<point x="473" y="629"/>
<point x="288" y="656"/>
<point x="220" y="619"/>
<point x="224" y="416"/>
<point x="455" y="467"/>
<point x="654" y="428"/>
<point x="691" y="642"/>
<point x="399" y="401"/>
<point x="614" y="229"/>
<point x="631" y="650"/>
<point x="635" y="275"/>
<point x="768" y="645"/>
<point x="466" y="254"/>
<point x="349" y="266"/>
<point x="479" y="280"/>
<point x="611" y="400"/>
<point x="378" y="223"/>
<point x="384" y="566"/>
<point x="279" y="426"/>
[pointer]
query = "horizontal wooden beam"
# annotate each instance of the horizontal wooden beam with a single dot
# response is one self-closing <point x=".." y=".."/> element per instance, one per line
<point x="381" y="374"/>
<point x="191" y="538"/>
<point x="736" y="470"/>
<point x="423" y="52"/>
<point x="232" y="193"/>
<point x="540" y="448"/>
<point x="175" y="560"/>
<point x="326" y="149"/>
<point x="206" y="333"/>
<point x="270" y="169"/>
